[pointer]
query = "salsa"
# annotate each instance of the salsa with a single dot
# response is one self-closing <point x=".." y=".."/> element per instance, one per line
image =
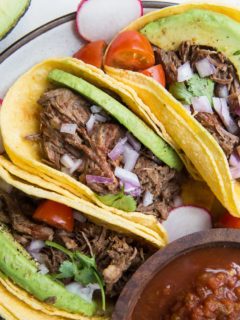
<point x="199" y="285"/>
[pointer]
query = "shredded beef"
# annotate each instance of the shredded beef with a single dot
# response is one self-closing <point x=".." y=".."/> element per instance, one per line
<point x="212" y="123"/>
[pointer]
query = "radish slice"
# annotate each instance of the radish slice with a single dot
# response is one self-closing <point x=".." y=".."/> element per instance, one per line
<point x="102" y="19"/>
<point x="186" y="220"/>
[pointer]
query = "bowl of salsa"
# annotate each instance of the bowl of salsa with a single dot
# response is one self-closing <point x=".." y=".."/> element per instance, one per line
<point x="196" y="277"/>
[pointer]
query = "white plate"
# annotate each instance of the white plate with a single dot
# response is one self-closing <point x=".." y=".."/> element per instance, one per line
<point x="54" y="39"/>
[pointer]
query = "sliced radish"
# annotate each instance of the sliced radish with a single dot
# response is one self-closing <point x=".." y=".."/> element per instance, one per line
<point x="186" y="220"/>
<point x="102" y="19"/>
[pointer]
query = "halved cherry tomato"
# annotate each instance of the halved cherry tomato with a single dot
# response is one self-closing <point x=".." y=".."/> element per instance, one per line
<point x="157" y="73"/>
<point x="130" y="50"/>
<point x="55" y="214"/>
<point x="228" y="221"/>
<point x="92" y="53"/>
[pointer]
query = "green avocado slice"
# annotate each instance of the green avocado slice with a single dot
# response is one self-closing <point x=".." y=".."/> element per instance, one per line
<point x="10" y="13"/>
<point x="126" y="117"/>
<point x="202" y="27"/>
<point x="16" y="265"/>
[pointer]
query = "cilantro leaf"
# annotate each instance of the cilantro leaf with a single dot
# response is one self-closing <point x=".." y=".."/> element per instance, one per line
<point x="180" y="92"/>
<point x="120" y="201"/>
<point x="85" y="276"/>
<point x="67" y="270"/>
<point x="201" y="87"/>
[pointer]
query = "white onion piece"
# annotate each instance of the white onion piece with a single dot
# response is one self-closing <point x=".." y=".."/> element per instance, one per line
<point x="235" y="172"/>
<point x="184" y="72"/>
<point x="76" y="165"/>
<point x="133" y="141"/>
<point x="234" y="160"/>
<point x="222" y="91"/>
<point x="79" y="216"/>
<point x="130" y="158"/>
<point x="95" y="109"/>
<point x="69" y="128"/>
<point x="205" y="68"/>
<point x="67" y="161"/>
<point x="177" y="202"/>
<point x="127" y="176"/>
<point x="187" y="107"/>
<point x="90" y="123"/>
<point x="118" y="149"/>
<point x="100" y="118"/>
<point x="36" y="246"/>
<point x="147" y="199"/>
<point x="222" y="109"/>
<point x="43" y="269"/>
<point x="84" y="292"/>
<point x="201" y="104"/>
<point x="5" y="186"/>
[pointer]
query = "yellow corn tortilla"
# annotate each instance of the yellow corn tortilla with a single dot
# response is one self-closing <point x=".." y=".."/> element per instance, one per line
<point x="19" y="118"/>
<point x="189" y="135"/>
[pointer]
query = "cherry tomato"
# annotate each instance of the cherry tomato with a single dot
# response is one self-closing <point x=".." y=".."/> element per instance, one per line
<point x="55" y="214"/>
<point x="92" y="53"/>
<point x="228" y="221"/>
<point x="157" y="73"/>
<point x="130" y="50"/>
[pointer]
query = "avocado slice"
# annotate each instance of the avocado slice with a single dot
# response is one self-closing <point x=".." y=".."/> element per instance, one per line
<point x="202" y="27"/>
<point x="126" y="117"/>
<point x="24" y="272"/>
<point x="10" y="13"/>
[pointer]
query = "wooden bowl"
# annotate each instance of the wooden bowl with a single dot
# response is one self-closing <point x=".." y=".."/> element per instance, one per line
<point x="131" y="293"/>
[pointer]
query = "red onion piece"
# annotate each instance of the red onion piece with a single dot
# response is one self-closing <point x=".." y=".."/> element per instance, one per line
<point x="222" y="109"/>
<point x="69" y="128"/>
<point x="67" y="161"/>
<point x="222" y="91"/>
<point x="84" y="292"/>
<point x="118" y="149"/>
<point x="130" y="158"/>
<point x="35" y="246"/>
<point x="43" y="269"/>
<point x="201" y="104"/>
<point x="234" y="160"/>
<point x="90" y="123"/>
<point x="205" y="68"/>
<point x="75" y="166"/>
<point x="132" y="190"/>
<point x="235" y="172"/>
<point x="184" y="72"/>
<point x="127" y="176"/>
<point x="147" y="199"/>
<point x="133" y="141"/>
<point x="95" y="109"/>
<point x="1" y="101"/>
<point x="79" y="216"/>
<point x="98" y="179"/>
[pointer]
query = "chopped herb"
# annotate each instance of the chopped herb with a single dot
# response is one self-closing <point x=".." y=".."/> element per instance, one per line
<point x="120" y="201"/>
<point x="81" y="267"/>
<point x="237" y="53"/>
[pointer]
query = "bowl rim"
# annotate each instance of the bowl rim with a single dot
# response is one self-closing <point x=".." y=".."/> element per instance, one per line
<point x="226" y="238"/>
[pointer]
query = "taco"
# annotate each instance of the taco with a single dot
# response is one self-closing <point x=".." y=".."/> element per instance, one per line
<point x="71" y="125"/>
<point x="195" y="54"/>
<point x="57" y="261"/>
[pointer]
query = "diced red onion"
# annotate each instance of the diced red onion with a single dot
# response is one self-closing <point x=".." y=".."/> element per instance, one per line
<point x="127" y="176"/>
<point x="201" y="104"/>
<point x="131" y="190"/>
<point x="187" y="107"/>
<point x="221" y="107"/>
<point x="118" y="149"/>
<point x="130" y="158"/>
<point x="100" y="118"/>
<point x="222" y="91"/>
<point x="90" y="123"/>
<point x="43" y="269"/>
<point x="5" y="186"/>
<point x="205" y="68"/>
<point x="67" y="161"/>
<point x="235" y="172"/>
<point x="147" y="199"/>
<point x="76" y="165"/>
<point x="79" y="216"/>
<point x="36" y="246"/>
<point x="95" y="109"/>
<point x="98" y="179"/>
<point x="133" y="141"/>
<point x="69" y="128"/>
<point x="84" y="292"/>
<point x="177" y="202"/>
<point x="234" y="160"/>
<point x="1" y="101"/>
<point x="184" y="72"/>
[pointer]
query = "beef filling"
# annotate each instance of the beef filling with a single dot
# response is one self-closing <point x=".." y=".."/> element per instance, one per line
<point x="117" y="256"/>
<point x="62" y="106"/>
<point x="225" y="74"/>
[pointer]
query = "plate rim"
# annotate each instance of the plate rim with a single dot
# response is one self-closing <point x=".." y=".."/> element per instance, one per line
<point x="59" y="21"/>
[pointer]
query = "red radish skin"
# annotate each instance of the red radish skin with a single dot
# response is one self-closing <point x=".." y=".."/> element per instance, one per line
<point x="123" y="12"/>
<point x="186" y="220"/>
